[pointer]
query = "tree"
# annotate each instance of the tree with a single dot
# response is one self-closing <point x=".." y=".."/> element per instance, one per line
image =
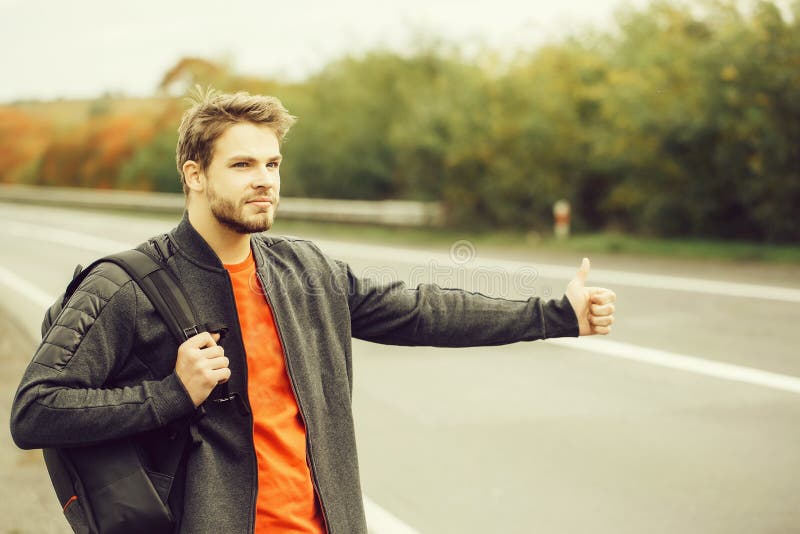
<point x="23" y="140"/>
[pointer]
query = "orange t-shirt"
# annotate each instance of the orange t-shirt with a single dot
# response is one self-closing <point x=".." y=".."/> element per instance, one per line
<point x="286" y="499"/>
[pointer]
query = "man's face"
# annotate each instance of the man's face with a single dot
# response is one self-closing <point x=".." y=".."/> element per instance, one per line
<point x="243" y="178"/>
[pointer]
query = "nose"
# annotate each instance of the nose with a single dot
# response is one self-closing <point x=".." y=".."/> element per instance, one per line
<point x="265" y="177"/>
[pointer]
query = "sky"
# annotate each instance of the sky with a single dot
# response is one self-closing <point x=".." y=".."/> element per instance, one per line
<point x="83" y="48"/>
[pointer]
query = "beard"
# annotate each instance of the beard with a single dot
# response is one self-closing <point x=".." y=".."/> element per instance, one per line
<point x="230" y="214"/>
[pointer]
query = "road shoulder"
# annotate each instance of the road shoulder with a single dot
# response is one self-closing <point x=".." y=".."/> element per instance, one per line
<point x="27" y="500"/>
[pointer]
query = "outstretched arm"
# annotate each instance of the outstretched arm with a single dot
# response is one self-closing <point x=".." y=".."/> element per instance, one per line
<point x="392" y="313"/>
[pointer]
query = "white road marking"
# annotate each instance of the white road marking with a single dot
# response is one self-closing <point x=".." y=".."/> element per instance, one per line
<point x="64" y="237"/>
<point x="26" y="289"/>
<point x="420" y="257"/>
<point x="617" y="278"/>
<point x="379" y="520"/>
<point x="382" y="522"/>
<point x="692" y="364"/>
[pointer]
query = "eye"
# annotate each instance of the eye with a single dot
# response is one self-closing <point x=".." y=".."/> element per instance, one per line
<point x="241" y="164"/>
<point x="273" y="164"/>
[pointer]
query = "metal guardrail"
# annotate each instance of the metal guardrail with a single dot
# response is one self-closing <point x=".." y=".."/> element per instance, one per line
<point x="382" y="212"/>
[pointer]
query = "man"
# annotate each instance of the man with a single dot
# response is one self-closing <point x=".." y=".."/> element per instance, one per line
<point x="286" y="460"/>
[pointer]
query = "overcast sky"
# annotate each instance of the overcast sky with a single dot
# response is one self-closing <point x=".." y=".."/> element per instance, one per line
<point x="82" y="48"/>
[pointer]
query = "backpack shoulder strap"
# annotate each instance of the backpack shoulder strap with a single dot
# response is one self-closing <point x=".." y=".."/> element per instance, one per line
<point x="157" y="282"/>
<point x="163" y="289"/>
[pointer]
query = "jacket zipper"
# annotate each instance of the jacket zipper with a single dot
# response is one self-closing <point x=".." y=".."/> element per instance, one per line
<point x="309" y="451"/>
<point x="246" y="394"/>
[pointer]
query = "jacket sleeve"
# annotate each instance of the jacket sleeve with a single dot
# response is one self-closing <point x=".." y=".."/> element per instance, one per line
<point x="65" y="397"/>
<point x="392" y="313"/>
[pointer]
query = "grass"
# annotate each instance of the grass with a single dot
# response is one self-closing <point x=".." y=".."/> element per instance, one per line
<point x="603" y="243"/>
<point x="688" y="248"/>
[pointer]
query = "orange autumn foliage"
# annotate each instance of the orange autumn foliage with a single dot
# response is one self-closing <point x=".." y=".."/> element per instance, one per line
<point x="23" y="140"/>
<point x="92" y="154"/>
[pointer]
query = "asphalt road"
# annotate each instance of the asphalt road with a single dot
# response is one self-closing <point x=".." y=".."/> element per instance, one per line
<point x="666" y="426"/>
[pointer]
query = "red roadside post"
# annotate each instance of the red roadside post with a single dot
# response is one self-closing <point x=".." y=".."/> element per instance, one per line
<point x="561" y="211"/>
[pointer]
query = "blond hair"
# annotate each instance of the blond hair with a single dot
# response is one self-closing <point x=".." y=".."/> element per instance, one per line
<point x="213" y="112"/>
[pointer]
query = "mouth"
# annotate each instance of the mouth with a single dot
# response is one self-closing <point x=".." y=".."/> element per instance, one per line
<point x="261" y="202"/>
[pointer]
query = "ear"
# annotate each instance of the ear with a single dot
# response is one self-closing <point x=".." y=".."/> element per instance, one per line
<point x="195" y="178"/>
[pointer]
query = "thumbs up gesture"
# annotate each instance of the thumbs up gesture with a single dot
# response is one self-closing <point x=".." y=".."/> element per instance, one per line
<point x="594" y="306"/>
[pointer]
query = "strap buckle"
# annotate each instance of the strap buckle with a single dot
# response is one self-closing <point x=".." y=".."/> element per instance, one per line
<point x="191" y="331"/>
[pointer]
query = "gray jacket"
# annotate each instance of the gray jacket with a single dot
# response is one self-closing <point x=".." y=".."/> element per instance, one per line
<point x="106" y="368"/>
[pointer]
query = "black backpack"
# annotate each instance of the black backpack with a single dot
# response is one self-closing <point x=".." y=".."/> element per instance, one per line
<point x="114" y="490"/>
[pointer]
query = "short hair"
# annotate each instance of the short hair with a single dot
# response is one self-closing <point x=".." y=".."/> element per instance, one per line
<point x="212" y="113"/>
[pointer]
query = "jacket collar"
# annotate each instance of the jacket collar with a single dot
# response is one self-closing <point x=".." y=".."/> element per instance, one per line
<point x="192" y="245"/>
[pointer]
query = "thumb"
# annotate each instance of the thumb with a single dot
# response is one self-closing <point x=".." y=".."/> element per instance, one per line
<point x="583" y="271"/>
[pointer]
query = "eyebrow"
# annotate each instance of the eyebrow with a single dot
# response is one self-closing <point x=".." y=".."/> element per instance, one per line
<point x="277" y="157"/>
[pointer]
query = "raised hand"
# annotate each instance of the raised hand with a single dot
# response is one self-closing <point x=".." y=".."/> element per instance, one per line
<point x="594" y="306"/>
